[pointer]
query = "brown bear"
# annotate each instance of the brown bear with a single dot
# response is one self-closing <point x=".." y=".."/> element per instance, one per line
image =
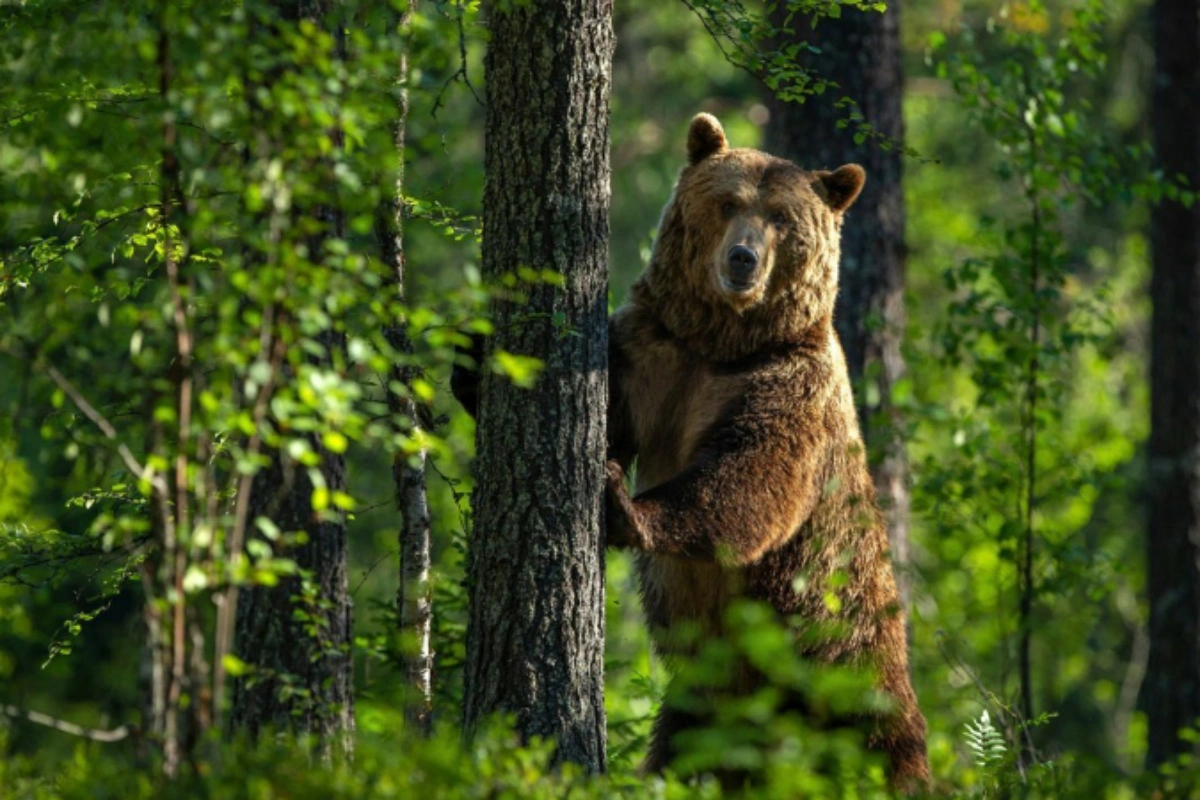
<point x="728" y="385"/>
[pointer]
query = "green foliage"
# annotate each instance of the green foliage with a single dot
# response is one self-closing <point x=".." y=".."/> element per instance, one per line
<point x="791" y="735"/>
<point x="748" y="37"/>
<point x="1015" y="322"/>
<point x="984" y="741"/>
<point x="180" y="293"/>
<point x="496" y="765"/>
<point x="1181" y="775"/>
<point x="1017" y="458"/>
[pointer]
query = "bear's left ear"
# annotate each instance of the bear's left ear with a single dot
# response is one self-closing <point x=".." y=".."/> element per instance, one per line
<point x="705" y="137"/>
<point x="841" y="187"/>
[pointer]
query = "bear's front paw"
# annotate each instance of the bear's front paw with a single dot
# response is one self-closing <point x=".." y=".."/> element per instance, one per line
<point x="623" y="530"/>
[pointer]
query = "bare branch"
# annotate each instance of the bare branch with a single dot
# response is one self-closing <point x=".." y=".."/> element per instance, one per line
<point x="96" y="735"/>
<point x="461" y="73"/>
<point x="98" y="419"/>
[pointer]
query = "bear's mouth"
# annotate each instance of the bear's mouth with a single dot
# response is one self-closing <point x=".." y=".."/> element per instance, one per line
<point x="738" y="286"/>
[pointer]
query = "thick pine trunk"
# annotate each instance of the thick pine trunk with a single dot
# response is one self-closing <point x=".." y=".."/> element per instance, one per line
<point x="1171" y="691"/>
<point x="535" y="639"/>
<point x="860" y="51"/>
<point x="297" y="635"/>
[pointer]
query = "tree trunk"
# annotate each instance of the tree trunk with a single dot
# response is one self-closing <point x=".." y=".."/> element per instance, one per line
<point x="297" y="642"/>
<point x="860" y="51"/>
<point x="535" y="638"/>
<point x="414" y="601"/>
<point x="1171" y="691"/>
<point x="297" y="635"/>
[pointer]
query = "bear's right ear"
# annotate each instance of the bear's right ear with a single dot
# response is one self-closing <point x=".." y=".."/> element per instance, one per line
<point x="705" y="137"/>
<point x="840" y="188"/>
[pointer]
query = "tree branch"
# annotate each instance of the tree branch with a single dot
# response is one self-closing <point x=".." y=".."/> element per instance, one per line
<point x="96" y="417"/>
<point x="96" y="735"/>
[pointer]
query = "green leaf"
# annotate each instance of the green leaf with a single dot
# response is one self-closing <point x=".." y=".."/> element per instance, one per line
<point x="234" y="666"/>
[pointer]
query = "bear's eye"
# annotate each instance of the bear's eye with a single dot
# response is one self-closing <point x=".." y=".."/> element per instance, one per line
<point x="728" y="208"/>
<point x="779" y="219"/>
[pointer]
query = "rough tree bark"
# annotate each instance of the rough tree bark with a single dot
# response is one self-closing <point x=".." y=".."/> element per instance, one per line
<point x="414" y="601"/>
<point x="860" y="51"/>
<point x="1171" y="692"/>
<point x="535" y="638"/>
<point x="302" y="666"/>
<point x="302" y="679"/>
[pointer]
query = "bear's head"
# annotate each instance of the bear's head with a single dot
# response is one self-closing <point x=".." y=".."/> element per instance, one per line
<point x="748" y="247"/>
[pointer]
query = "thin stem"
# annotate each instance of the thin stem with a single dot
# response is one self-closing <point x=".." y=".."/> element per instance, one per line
<point x="171" y="573"/>
<point x="1027" y="588"/>
<point x="228" y="601"/>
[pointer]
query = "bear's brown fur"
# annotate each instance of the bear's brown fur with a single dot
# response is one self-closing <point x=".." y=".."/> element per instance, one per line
<point x="729" y="386"/>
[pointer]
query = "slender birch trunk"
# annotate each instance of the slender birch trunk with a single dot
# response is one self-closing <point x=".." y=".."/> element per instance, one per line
<point x="414" y="601"/>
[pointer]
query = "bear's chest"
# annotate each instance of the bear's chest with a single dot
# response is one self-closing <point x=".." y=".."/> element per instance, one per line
<point x="674" y="401"/>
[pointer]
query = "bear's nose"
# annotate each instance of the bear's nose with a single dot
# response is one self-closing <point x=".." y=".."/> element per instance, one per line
<point x="742" y="261"/>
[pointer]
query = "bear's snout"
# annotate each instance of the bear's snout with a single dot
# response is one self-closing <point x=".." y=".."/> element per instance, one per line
<point x="743" y="262"/>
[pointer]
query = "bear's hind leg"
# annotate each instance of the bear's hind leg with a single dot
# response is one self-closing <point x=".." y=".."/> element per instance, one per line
<point x="904" y="745"/>
<point x="668" y="724"/>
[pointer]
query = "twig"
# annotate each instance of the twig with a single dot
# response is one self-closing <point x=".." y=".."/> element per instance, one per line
<point x="13" y="571"/>
<point x="123" y="114"/>
<point x="96" y="735"/>
<point x="96" y="417"/>
<point x="367" y="572"/>
<point x="461" y="72"/>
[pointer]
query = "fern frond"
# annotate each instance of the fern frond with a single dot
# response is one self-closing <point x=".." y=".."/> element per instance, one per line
<point x="985" y="741"/>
